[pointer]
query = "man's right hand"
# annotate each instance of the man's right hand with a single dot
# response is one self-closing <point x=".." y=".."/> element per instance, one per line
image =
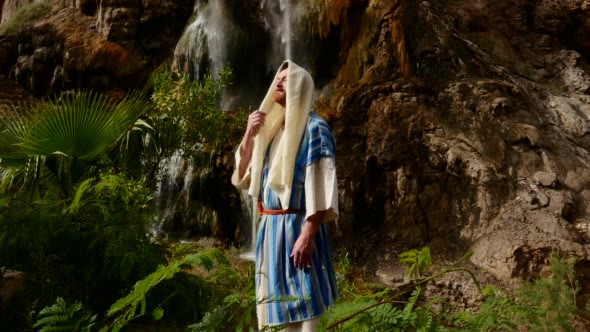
<point x="255" y="121"/>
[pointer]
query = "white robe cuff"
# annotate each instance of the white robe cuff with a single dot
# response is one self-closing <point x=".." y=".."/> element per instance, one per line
<point x="321" y="189"/>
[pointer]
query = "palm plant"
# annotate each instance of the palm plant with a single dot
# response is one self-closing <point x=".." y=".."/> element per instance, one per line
<point x="60" y="139"/>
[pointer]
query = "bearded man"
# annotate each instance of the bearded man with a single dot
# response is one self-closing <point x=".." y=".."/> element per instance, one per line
<point x="286" y="162"/>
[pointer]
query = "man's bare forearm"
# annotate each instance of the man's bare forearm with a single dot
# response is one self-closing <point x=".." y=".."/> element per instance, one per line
<point x="245" y="154"/>
<point x="313" y="223"/>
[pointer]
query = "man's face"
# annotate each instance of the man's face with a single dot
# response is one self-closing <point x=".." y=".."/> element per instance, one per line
<point x="281" y="88"/>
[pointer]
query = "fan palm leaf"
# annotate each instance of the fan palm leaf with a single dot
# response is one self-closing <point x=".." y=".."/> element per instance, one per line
<point x="64" y="134"/>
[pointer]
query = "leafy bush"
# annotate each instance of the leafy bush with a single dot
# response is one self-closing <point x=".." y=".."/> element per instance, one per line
<point x="134" y="304"/>
<point x="25" y="15"/>
<point x="187" y="112"/>
<point x="88" y="250"/>
<point x="368" y="314"/>
<point x="62" y="138"/>
<point x="547" y="304"/>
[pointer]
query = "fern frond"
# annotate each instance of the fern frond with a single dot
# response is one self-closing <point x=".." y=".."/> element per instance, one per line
<point x="343" y="312"/>
<point x="61" y="317"/>
<point x="126" y="308"/>
<point x="210" y="322"/>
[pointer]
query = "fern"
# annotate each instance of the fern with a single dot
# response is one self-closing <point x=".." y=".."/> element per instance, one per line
<point x="416" y="261"/>
<point x="134" y="304"/>
<point x="210" y="322"/>
<point x="61" y="317"/>
<point x="547" y="304"/>
<point x="550" y="303"/>
<point x="380" y="316"/>
<point x="346" y="310"/>
<point x="386" y="317"/>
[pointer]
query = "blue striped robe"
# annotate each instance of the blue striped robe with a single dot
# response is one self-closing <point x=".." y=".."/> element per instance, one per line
<point x="310" y="291"/>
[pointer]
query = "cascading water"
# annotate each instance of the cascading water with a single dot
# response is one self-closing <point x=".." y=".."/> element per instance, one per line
<point x="171" y="194"/>
<point x="284" y="22"/>
<point x="277" y="21"/>
<point x="254" y="48"/>
<point x="249" y="210"/>
<point x="203" y="46"/>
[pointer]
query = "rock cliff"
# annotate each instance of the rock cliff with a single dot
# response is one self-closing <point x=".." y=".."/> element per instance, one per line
<point x="482" y="144"/>
<point x="101" y="45"/>
<point x="462" y="125"/>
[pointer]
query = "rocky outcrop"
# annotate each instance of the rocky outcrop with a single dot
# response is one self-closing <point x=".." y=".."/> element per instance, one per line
<point x="483" y="147"/>
<point x="11" y="282"/>
<point x="102" y="45"/>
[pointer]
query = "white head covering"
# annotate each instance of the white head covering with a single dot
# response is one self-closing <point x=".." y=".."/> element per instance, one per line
<point x="298" y="104"/>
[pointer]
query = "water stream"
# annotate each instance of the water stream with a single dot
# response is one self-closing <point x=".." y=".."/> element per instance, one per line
<point x="172" y="195"/>
<point x="213" y="39"/>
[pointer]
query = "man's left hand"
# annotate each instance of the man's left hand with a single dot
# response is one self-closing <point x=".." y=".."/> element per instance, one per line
<point x="303" y="249"/>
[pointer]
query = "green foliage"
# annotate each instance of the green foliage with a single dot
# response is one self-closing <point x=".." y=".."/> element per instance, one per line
<point x="61" y="317"/>
<point x="90" y="250"/>
<point x="417" y="261"/>
<point x="62" y="136"/>
<point x="116" y="211"/>
<point x="236" y="311"/>
<point x="212" y="321"/>
<point x="134" y="304"/>
<point x="547" y="304"/>
<point x="74" y="216"/>
<point x="25" y="15"/>
<point x="370" y="315"/>
<point x="550" y="303"/>
<point x="187" y="111"/>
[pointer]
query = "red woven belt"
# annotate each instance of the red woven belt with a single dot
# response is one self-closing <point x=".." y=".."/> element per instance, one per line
<point x="261" y="210"/>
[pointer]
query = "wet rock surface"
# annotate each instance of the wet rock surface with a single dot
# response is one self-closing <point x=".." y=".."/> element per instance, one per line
<point x="101" y="45"/>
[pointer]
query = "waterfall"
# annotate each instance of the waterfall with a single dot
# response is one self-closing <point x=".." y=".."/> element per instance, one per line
<point x="254" y="44"/>
<point x="170" y="197"/>
<point x="204" y="41"/>
<point x="249" y="209"/>
<point x="277" y="21"/>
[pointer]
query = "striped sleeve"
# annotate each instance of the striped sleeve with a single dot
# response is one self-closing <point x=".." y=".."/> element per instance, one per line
<point x="321" y="141"/>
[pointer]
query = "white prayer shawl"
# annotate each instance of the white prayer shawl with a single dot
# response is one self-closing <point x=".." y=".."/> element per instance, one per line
<point x="298" y="104"/>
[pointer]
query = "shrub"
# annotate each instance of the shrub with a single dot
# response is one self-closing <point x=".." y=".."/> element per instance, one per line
<point x="186" y="111"/>
<point x="62" y="138"/>
<point x="25" y="15"/>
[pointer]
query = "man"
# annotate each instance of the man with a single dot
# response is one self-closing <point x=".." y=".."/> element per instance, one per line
<point x="286" y="161"/>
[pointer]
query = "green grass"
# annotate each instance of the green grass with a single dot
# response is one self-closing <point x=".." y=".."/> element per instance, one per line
<point x="24" y="16"/>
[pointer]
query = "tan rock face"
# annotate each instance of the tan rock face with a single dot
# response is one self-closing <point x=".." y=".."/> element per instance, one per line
<point x="483" y="147"/>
